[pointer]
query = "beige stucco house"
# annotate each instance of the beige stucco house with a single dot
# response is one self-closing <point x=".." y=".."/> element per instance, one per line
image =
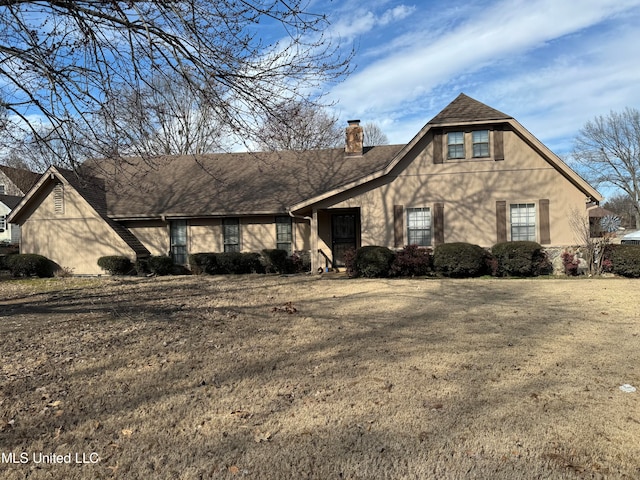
<point x="472" y="174"/>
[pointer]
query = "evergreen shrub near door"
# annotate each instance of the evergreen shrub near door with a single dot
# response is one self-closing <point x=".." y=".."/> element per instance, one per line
<point x="372" y="262"/>
<point x="460" y="260"/>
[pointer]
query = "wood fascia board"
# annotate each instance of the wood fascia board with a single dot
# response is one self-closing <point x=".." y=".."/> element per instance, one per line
<point x="188" y="216"/>
<point x="556" y="161"/>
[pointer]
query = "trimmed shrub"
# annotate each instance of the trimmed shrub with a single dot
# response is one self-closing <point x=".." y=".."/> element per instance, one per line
<point x="238" y="263"/>
<point x="373" y="261"/>
<point x="411" y="261"/>
<point x="226" y="263"/>
<point x="276" y="261"/>
<point x="625" y="260"/>
<point x="301" y="261"/>
<point x="115" y="264"/>
<point x="29" y="264"/>
<point x="460" y="260"/>
<point x="520" y="259"/>
<point x="160" y="265"/>
<point x="203" y="263"/>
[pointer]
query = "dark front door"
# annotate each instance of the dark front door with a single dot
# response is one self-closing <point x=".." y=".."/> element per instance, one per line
<point x="344" y="235"/>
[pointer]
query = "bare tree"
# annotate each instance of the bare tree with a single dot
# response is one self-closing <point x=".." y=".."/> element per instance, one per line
<point x="373" y="135"/>
<point x="62" y="63"/>
<point x="622" y="206"/>
<point x="299" y="126"/>
<point x="608" y="148"/>
<point x="166" y="118"/>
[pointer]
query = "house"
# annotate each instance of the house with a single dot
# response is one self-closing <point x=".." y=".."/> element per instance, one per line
<point x="471" y="174"/>
<point x="14" y="183"/>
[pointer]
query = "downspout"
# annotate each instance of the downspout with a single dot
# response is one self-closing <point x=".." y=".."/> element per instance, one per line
<point x="310" y="220"/>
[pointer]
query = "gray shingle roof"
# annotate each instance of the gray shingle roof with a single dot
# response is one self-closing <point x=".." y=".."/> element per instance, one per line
<point x="226" y="184"/>
<point x="23" y="179"/>
<point x="466" y="109"/>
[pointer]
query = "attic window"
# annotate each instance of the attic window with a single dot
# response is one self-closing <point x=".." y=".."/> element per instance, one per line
<point x="58" y="198"/>
<point x="455" y="144"/>
<point x="480" y="141"/>
<point x="2" y="189"/>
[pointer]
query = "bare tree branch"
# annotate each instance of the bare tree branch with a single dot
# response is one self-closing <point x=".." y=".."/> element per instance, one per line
<point x="63" y="63"/>
<point x="608" y="148"/>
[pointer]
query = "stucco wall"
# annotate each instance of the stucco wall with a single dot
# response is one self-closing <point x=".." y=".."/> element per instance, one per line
<point x="205" y="235"/>
<point x="469" y="190"/>
<point x="73" y="239"/>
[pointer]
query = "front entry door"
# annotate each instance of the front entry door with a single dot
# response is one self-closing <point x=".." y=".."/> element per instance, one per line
<point x="344" y="235"/>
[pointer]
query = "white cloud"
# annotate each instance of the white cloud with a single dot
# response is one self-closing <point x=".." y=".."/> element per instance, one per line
<point x="531" y="59"/>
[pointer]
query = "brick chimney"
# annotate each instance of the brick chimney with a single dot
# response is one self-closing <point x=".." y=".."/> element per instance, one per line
<point x="354" y="139"/>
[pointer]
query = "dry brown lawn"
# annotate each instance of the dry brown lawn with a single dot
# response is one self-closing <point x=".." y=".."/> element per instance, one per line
<point x="319" y="377"/>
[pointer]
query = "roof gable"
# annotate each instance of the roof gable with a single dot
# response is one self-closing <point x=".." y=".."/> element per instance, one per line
<point x="466" y="109"/>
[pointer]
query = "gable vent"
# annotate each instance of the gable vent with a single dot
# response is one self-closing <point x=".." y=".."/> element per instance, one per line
<point x="58" y="198"/>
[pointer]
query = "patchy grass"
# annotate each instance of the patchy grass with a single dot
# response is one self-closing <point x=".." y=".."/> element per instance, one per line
<point x="317" y="377"/>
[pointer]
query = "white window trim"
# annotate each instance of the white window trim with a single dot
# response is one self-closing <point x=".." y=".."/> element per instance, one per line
<point x="536" y="226"/>
<point x="408" y="210"/>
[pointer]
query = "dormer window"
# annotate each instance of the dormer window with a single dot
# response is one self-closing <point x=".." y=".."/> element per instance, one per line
<point x="455" y="145"/>
<point x="480" y="142"/>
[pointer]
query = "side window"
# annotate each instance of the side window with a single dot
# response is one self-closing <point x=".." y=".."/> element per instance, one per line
<point x="284" y="235"/>
<point x="455" y="145"/>
<point x="523" y="221"/>
<point x="480" y="141"/>
<point x="231" y="234"/>
<point x="178" y="238"/>
<point x="419" y="226"/>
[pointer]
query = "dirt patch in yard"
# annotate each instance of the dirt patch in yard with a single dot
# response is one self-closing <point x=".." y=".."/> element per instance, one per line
<point x="319" y="377"/>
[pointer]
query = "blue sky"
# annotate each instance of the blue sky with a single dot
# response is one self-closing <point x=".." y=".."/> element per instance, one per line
<point x="551" y="64"/>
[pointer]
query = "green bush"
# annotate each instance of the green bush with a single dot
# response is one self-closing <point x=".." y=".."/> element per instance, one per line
<point x="116" y="264"/>
<point x="411" y="261"/>
<point x="520" y="259"/>
<point x="29" y="264"/>
<point x="373" y="261"/>
<point x="160" y="265"/>
<point x="226" y="263"/>
<point x="277" y="261"/>
<point x="460" y="260"/>
<point x="203" y="263"/>
<point x="625" y="260"/>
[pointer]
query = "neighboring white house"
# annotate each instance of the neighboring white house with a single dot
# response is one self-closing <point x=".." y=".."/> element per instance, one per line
<point x="9" y="232"/>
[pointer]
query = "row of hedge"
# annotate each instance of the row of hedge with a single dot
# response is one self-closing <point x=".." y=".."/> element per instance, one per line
<point x="268" y="261"/>
<point x="508" y="259"/>
<point x="522" y="259"/>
